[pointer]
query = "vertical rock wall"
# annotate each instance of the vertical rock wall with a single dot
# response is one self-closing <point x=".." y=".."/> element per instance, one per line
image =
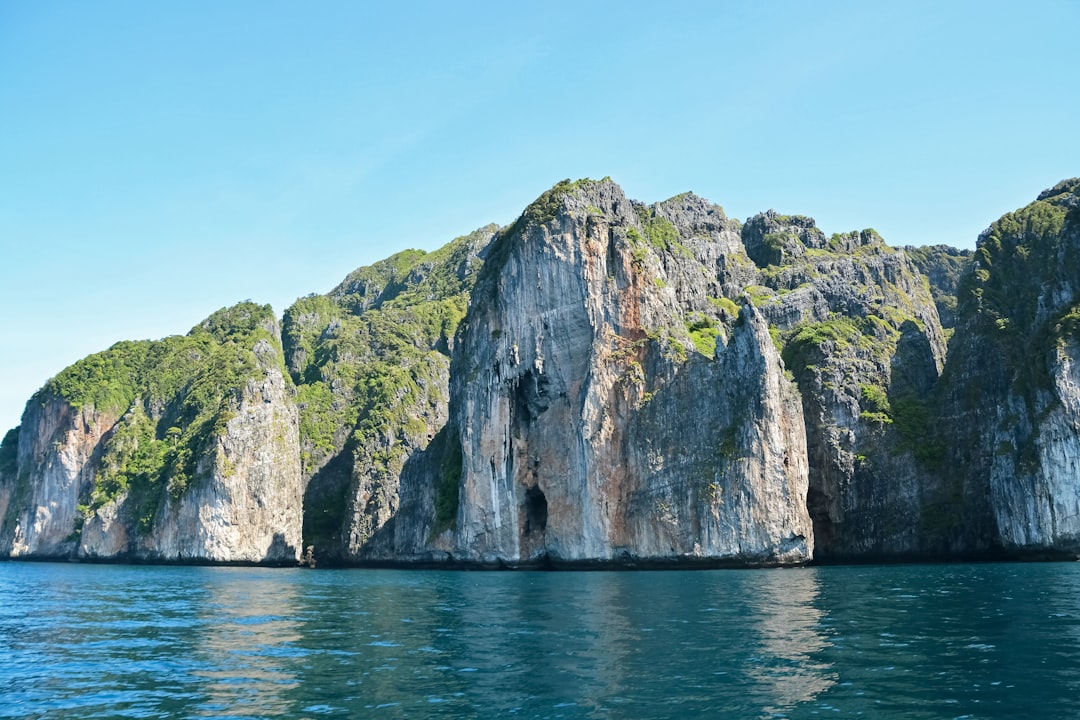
<point x="243" y="507"/>
<point x="57" y="451"/>
<point x="103" y="485"/>
<point x="571" y="391"/>
<point x="601" y="381"/>
<point x="1011" y="407"/>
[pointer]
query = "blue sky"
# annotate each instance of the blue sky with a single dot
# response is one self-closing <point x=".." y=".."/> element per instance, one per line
<point x="161" y="160"/>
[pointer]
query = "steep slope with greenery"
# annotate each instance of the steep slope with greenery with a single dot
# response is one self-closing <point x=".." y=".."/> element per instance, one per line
<point x="860" y="335"/>
<point x="175" y="396"/>
<point x="602" y="380"/>
<point x="371" y="362"/>
<point x="943" y="267"/>
<point x="126" y="433"/>
<point x="1010" y="407"/>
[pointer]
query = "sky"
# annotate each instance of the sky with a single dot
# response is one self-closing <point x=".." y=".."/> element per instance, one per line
<point x="159" y="161"/>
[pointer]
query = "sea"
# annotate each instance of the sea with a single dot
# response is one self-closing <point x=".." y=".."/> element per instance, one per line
<point x="901" y="641"/>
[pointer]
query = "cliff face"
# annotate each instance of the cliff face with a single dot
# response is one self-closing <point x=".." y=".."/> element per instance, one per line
<point x="181" y="450"/>
<point x="1057" y="521"/>
<point x="243" y="506"/>
<point x="601" y="381"/>
<point x="573" y="381"/>
<point x="861" y="335"/>
<point x="51" y="469"/>
<point x="1010" y="403"/>
<point x="371" y="360"/>
<point x="943" y="267"/>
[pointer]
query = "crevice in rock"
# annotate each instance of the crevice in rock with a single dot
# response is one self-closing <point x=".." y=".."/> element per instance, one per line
<point x="532" y="395"/>
<point x="536" y="511"/>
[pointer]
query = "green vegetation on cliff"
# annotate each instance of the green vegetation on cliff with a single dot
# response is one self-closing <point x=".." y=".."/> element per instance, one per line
<point x="861" y="357"/>
<point x="1018" y="297"/>
<point x="540" y="211"/>
<point x="106" y="380"/>
<point x="943" y="267"/>
<point x="703" y="332"/>
<point x="661" y="232"/>
<point x="383" y="334"/>
<point x="172" y="398"/>
<point x="371" y="363"/>
<point x="812" y="343"/>
<point x="136" y="461"/>
<point x="448" y="490"/>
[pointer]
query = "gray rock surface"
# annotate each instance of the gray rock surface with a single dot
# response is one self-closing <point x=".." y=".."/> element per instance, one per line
<point x="1009" y="401"/>
<point x="244" y="506"/>
<point x="573" y="382"/>
<point x="57" y="449"/>
<point x="97" y="475"/>
<point x="603" y="381"/>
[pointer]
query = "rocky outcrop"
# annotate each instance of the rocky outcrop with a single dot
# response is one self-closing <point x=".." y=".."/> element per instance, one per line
<point x="1009" y="396"/>
<point x="243" y="505"/>
<point x="1056" y="519"/>
<point x="55" y="452"/>
<point x="182" y="450"/>
<point x="371" y="360"/>
<point x="862" y="338"/>
<point x="572" y="383"/>
<point x="603" y="381"/>
<point x="943" y="267"/>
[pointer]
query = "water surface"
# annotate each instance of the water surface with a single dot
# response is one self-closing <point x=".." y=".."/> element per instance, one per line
<point x="939" y="641"/>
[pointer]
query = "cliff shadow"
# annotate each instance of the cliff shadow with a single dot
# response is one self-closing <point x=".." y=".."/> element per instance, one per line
<point x="428" y="495"/>
<point x="280" y="552"/>
<point x="324" y="506"/>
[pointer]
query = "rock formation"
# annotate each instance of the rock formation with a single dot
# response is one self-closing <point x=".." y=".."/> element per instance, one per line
<point x="183" y="450"/>
<point x="592" y="425"/>
<point x="1009" y="400"/>
<point x="371" y="361"/>
<point x="602" y="381"/>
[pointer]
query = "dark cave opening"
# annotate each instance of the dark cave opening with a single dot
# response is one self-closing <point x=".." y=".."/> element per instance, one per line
<point x="536" y="510"/>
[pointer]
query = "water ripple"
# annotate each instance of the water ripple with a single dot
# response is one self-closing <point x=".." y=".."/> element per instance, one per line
<point x="980" y="641"/>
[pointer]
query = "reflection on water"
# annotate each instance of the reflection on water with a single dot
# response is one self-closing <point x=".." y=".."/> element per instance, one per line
<point x="903" y="642"/>
<point x="249" y="635"/>
<point x="789" y="670"/>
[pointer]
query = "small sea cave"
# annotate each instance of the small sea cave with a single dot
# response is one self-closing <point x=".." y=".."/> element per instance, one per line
<point x="536" y="511"/>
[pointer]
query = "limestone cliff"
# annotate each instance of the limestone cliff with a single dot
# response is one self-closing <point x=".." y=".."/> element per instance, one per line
<point x="593" y="426"/>
<point x="943" y="267"/>
<point x="51" y="465"/>
<point x="182" y="450"/>
<point x="371" y="360"/>
<point x="601" y="381"/>
<point x="1010" y="407"/>
<point x="861" y="335"/>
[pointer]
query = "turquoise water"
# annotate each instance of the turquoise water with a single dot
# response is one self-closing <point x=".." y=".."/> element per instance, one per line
<point x="939" y="641"/>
